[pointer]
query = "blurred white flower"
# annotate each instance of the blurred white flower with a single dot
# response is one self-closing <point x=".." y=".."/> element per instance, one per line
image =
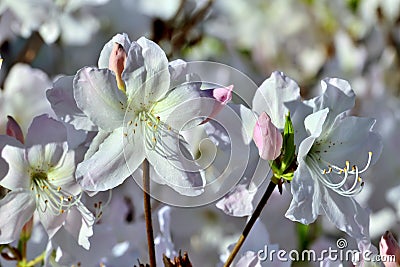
<point x="24" y="98"/>
<point x="163" y="241"/>
<point x="256" y="250"/>
<point x="238" y="202"/>
<point x="70" y="19"/>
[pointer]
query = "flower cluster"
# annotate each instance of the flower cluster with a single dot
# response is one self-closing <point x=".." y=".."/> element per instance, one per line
<point x="71" y="173"/>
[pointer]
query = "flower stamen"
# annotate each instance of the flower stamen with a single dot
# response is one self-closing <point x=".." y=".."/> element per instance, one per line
<point x="346" y="173"/>
<point x="49" y="196"/>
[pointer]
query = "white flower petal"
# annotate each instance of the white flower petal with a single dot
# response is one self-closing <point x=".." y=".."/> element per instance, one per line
<point x="249" y="119"/>
<point x="238" y="202"/>
<point x="79" y="223"/>
<point x="24" y="98"/>
<point x="61" y="97"/>
<point x="313" y="124"/>
<point x="271" y="96"/>
<point x="44" y="130"/>
<point x="112" y="163"/>
<point x="171" y="160"/>
<point x="16" y="208"/>
<point x="6" y="140"/>
<point x="104" y="57"/>
<point x="149" y="82"/>
<point x="248" y="259"/>
<point x="63" y="174"/>
<point x="96" y="142"/>
<point x="183" y="108"/>
<point x="344" y="146"/>
<point x="178" y="71"/>
<point x="337" y="96"/>
<point x="97" y="95"/>
<point x="44" y="157"/>
<point x="305" y="205"/>
<point x="346" y="214"/>
<point x="51" y="222"/>
<point x="17" y="176"/>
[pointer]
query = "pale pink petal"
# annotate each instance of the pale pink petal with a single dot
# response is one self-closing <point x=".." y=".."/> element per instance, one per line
<point x="14" y="130"/>
<point x="389" y="246"/>
<point x="223" y="95"/>
<point x="117" y="63"/>
<point x="267" y="138"/>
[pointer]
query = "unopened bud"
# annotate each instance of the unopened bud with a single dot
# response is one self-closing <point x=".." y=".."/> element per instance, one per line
<point x="222" y="96"/>
<point x="116" y="63"/>
<point x="13" y="129"/>
<point x="267" y="138"/>
<point x="389" y="250"/>
<point x="27" y="230"/>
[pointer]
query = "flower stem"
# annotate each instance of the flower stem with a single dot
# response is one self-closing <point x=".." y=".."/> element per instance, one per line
<point x="250" y="223"/>
<point x="147" y="212"/>
<point x="36" y="260"/>
<point x="22" y="249"/>
<point x="23" y="240"/>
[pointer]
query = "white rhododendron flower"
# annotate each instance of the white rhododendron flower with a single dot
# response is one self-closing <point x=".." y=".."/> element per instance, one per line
<point x="269" y="112"/>
<point x="333" y="151"/>
<point x="130" y="98"/>
<point x="24" y="98"/>
<point x="41" y="177"/>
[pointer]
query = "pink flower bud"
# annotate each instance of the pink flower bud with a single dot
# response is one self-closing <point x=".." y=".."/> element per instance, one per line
<point x="13" y="129"/>
<point x="27" y="230"/>
<point x="116" y="63"/>
<point x="389" y="246"/>
<point x="223" y="95"/>
<point x="267" y="138"/>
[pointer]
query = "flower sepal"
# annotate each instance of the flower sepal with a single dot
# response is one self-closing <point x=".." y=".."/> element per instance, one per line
<point x="283" y="167"/>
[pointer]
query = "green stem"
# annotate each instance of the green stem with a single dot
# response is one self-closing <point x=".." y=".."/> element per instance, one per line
<point x="250" y="223"/>
<point x="36" y="260"/>
<point x="22" y="250"/>
<point x="147" y="212"/>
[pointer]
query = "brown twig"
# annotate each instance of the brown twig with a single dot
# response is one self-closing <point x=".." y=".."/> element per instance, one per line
<point x="147" y="212"/>
<point x="250" y="223"/>
<point x="27" y="54"/>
